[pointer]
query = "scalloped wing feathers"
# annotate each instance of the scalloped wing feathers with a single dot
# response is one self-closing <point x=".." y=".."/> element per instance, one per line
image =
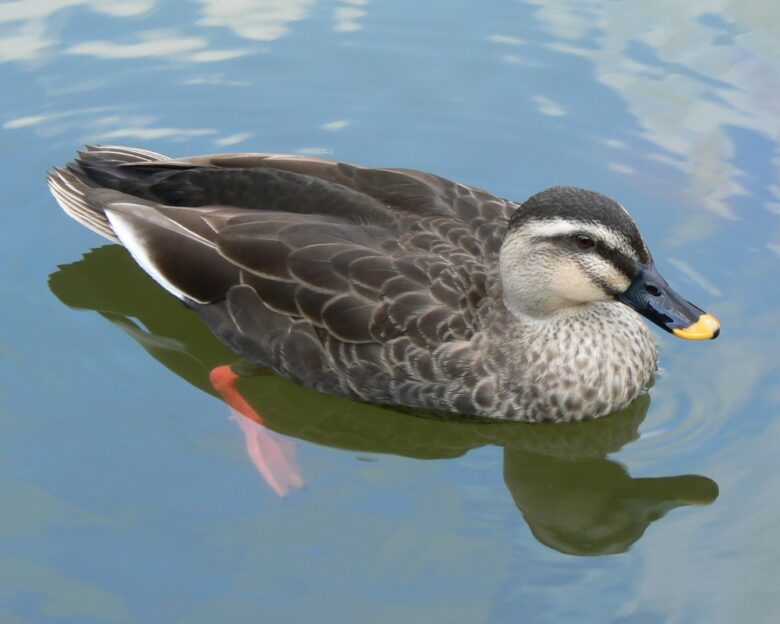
<point x="302" y="264"/>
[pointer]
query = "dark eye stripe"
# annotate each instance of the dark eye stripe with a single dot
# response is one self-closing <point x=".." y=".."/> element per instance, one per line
<point x="580" y="205"/>
<point x="623" y="263"/>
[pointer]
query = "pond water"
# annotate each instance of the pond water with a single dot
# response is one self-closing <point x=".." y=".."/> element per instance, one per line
<point x="126" y="494"/>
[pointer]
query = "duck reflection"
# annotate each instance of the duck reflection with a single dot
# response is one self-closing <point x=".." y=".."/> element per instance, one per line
<point x="573" y="498"/>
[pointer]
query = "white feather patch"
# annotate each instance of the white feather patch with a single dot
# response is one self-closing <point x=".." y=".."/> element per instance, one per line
<point x="133" y="241"/>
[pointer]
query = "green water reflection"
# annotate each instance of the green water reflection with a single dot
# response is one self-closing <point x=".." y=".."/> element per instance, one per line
<point x="573" y="497"/>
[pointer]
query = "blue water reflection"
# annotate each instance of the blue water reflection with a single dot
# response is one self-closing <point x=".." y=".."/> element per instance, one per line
<point x="126" y="495"/>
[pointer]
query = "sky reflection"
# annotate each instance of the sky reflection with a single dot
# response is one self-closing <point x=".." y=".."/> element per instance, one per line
<point x="670" y="108"/>
<point x="686" y="100"/>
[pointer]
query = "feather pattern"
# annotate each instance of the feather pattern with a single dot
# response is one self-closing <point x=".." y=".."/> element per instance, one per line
<point x="378" y="284"/>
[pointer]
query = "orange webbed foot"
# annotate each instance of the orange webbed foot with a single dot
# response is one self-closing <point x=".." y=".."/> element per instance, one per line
<point x="272" y="455"/>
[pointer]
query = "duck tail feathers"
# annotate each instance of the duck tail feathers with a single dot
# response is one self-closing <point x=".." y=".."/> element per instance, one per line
<point x="74" y="186"/>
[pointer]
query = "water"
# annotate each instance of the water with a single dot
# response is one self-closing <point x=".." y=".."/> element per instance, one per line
<point x="126" y="494"/>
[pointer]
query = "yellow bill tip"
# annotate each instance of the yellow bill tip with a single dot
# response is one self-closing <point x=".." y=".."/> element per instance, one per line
<point x="706" y="328"/>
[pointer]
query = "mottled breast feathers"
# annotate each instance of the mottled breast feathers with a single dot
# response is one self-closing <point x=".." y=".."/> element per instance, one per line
<point x="379" y="284"/>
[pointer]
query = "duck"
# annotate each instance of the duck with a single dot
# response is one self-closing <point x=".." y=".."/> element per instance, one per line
<point x="394" y="286"/>
<point x="542" y="465"/>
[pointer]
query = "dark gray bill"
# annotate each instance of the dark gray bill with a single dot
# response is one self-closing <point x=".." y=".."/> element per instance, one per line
<point x="653" y="298"/>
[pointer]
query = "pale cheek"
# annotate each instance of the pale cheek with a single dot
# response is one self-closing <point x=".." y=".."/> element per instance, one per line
<point x="617" y="281"/>
<point x="569" y="282"/>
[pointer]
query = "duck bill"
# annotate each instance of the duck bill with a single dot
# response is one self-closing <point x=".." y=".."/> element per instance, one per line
<point x="653" y="298"/>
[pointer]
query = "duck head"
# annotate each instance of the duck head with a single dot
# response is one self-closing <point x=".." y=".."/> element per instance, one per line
<point x="567" y="247"/>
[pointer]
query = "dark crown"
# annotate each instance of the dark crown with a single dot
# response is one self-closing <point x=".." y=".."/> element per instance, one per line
<point x="576" y="204"/>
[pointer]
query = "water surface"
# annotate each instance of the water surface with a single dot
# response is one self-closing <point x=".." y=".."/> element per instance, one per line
<point x="126" y="494"/>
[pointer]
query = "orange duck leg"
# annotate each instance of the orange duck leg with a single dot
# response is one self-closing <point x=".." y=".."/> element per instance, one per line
<point x="273" y="456"/>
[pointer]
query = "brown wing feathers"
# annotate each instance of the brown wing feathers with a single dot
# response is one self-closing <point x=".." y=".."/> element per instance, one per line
<point x="300" y="263"/>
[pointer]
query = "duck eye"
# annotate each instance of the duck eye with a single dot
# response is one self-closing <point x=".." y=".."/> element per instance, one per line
<point x="584" y="242"/>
